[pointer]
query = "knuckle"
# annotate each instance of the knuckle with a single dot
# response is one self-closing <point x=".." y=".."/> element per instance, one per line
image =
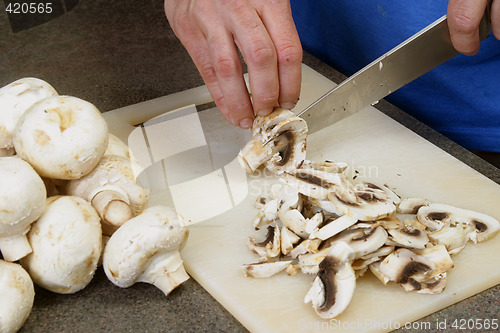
<point x="289" y="53"/>
<point x="261" y="55"/>
<point x="226" y="67"/>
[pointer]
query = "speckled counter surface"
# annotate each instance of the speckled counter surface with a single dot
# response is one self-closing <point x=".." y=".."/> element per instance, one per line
<point x="117" y="53"/>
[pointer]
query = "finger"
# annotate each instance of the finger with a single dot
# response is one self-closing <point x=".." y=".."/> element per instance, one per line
<point x="278" y="20"/>
<point x="495" y="18"/>
<point x="229" y="74"/>
<point x="463" y="20"/>
<point x="259" y="53"/>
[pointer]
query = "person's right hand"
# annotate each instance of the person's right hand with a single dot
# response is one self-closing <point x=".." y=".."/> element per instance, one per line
<point x="212" y="31"/>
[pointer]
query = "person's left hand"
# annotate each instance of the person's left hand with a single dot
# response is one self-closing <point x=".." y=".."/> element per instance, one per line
<point x="464" y="17"/>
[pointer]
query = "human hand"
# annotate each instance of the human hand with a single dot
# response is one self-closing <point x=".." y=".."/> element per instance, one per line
<point x="263" y="30"/>
<point x="463" y="20"/>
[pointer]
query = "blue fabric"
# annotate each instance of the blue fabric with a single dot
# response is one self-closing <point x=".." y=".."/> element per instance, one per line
<point x="460" y="98"/>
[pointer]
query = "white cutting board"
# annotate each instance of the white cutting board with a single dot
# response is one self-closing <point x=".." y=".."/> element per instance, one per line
<point x="372" y="143"/>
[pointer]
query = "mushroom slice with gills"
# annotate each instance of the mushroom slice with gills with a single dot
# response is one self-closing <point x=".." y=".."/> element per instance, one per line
<point x="312" y="183"/>
<point x="439" y="255"/>
<point x="22" y="201"/>
<point x="265" y="269"/>
<point x="333" y="227"/>
<point x="362" y="239"/>
<point x="327" y="206"/>
<point x="288" y="141"/>
<point x="269" y="247"/>
<point x="112" y="190"/>
<point x="146" y="249"/>
<point x="267" y="214"/>
<point x="62" y="137"/>
<point x="333" y="286"/>
<point x="17" y="294"/>
<point x="403" y="264"/>
<point x="435" y="216"/>
<point x="15" y="99"/>
<point x="280" y="136"/>
<point x="364" y="201"/>
<point x="309" y="262"/>
<point x="409" y="236"/>
<point x="66" y="242"/>
<point x="411" y="205"/>
<point x="288" y="240"/>
<point x="431" y="285"/>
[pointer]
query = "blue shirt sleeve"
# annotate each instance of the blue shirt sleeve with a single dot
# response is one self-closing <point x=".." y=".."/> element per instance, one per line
<point x="460" y="98"/>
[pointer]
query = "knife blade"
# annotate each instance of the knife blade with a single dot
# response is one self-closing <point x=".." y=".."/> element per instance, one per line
<point x="412" y="58"/>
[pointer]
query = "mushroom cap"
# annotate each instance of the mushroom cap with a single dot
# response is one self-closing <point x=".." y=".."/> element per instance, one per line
<point x="62" y="137"/>
<point x="66" y="242"/>
<point x="136" y="244"/>
<point x="17" y="294"/>
<point x="22" y="196"/>
<point x="15" y="99"/>
<point x="402" y="265"/>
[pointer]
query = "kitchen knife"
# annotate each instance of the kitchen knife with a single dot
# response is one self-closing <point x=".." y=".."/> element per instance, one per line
<point x="412" y="58"/>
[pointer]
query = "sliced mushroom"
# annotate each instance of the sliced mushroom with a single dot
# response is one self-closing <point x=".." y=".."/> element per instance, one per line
<point x="328" y="166"/>
<point x="22" y="200"/>
<point x="66" y="242"/>
<point x="269" y="247"/>
<point x="288" y="240"/>
<point x="403" y="264"/>
<point x="432" y="285"/>
<point x="62" y="137"/>
<point x="334" y="227"/>
<point x="409" y="236"/>
<point x="439" y="256"/>
<point x="278" y="140"/>
<point x="15" y="99"/>
<point x="364" y="201"/>
<point x="17" y="295"/>
<point x="412" y="205"/>
<point x="309" y="262"/>
<point x="146" y="249"/>
<point x="333" y="286"/>
<point x="306" y="246"/>
<point x="267" y="214"/>
<point x="265" y="269"/>
<point x="313" y="183"/>
<point x="362" y="239"/>
<point x="454" y="236"/>
<point x="375" y="269"/>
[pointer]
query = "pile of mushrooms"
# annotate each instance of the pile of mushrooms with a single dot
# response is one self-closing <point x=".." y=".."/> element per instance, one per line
<point x="323" y="223"/>
<point x="69" y="202"/>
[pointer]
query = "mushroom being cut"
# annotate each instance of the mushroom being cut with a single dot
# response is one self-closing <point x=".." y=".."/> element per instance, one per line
<point x="146" y="249"/>
<point x="278" y="141"/>
<point x="62" y="137"/>
<point x="15" y="99"/>
<point x="66" y="242"/>
<point x="333" y="286"/>
<point x="22" y="200"/>
<point x="17" y="294"/>
<point x="112" y="190"/>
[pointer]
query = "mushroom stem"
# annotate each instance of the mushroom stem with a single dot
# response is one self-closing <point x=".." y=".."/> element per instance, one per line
<point x="15" y="248"/>
<point x="113" y="207"/>
<point x="165" y="272"/>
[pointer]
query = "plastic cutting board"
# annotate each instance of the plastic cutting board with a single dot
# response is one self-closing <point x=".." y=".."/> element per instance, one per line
<point x="188" y="160"/>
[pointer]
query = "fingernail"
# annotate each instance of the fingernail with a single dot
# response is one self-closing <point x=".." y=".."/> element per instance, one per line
<point x="264" y="112"/>
<point x="287" y="105"/>
<point x="246" y="123"/>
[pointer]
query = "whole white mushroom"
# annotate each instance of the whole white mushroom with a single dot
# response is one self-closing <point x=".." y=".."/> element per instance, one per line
<point x="66" y="242"/>
<point x="15" y="99"/>
<point x="62" y="137"/>
<point x="22" y="200"/>
<point x="146" y="249"/>
<point x="17" y="294"/>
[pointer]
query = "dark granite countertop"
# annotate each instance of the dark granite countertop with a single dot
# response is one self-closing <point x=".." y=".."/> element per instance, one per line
<point x="117" y="53"/>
